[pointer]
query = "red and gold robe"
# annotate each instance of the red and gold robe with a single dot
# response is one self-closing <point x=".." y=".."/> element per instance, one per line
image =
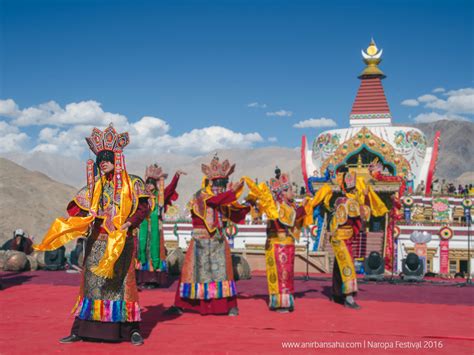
<point x="207" y="282"/>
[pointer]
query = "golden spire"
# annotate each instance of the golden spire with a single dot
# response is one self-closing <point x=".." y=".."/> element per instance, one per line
<point x="372" y="57"/>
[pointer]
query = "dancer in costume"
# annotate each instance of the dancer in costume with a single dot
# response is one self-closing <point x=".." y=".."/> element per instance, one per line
<point x="394" y="216"/>
<point x="207" y="281"/>
<point x="151" y="251"/>
<point x="105" y="211"/>
<point x="285" y="220"/>
<point x="352" y="212"/>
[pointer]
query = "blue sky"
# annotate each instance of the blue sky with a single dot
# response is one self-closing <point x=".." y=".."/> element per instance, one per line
<point x="196" y="64"/>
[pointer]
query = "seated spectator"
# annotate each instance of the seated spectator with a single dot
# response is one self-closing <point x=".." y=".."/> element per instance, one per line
<point x="19" y="242"/>
<point x="55" y="259"/>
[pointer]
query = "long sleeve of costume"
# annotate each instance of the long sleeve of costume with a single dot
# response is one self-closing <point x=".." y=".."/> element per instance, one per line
<point x="262" y="194"/>
<point x="221" y="199"/>
<point x="74" y="210"/>
<point x="323" y="195"/>
<point x="300" y="212"/>
<point x="237" y="215"/>
<point x="377" y="206"/>
<point x="142" y="212"/>
<point x="170" y="190"/>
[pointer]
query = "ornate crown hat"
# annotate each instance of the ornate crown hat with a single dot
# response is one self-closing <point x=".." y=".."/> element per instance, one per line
<point x="280" y="182"/>
<point x="108" y="139"/>
<point x="217" y="170"/>
<point x="155" y="172"/>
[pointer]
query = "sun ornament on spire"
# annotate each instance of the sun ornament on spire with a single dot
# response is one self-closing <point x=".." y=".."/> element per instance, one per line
<point x="372" y="57"/>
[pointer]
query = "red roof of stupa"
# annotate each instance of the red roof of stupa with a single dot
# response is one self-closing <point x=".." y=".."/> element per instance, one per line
<point x="370" y="101"/>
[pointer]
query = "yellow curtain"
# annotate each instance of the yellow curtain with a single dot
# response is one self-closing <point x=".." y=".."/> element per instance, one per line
<point x="116" y="239"/>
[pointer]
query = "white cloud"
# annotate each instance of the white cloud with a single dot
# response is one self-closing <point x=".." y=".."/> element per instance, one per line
<point x="280" y="113"/>
<point x="69" y="142"/>
<point x="51" y="113"/>
<point x="434" y="116"/>
<point x="63" y="131"/>
<point x="273" y="139"/>
<point x="461" y="92"/>
<point x="51" y="148"/>
<point x="458" y="101"/>
<point x="316" y="123"/>
<point x="151" y="126"/>
<point x="197" y="141"/>
<point x="427" y="98"/>
<point x="257" y="105"/>
<point x="8" y="108"/>
<point x="11" y="138"/>
<point x="152" y="141"/>
<point x="410" y="102"/>
<point x="215" y="137"/>
<point x="450" y="106"/>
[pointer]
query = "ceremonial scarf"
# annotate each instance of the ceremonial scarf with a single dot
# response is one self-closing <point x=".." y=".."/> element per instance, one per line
<point x="64" y="230"/>
<point x="266" y="204"/>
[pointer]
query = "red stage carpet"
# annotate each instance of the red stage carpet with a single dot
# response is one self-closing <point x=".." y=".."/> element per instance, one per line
<point x="438" y="318"/>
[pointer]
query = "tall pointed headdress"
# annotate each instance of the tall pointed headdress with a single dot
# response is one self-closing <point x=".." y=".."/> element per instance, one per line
<point x="279" y="183"/>
<point x="217" y="170"/>
<point x="155" y="172"/>
<point x="107" y="140"/>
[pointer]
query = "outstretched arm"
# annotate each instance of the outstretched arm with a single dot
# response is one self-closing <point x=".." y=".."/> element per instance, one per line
<point x="170" y="190"/>
<point x="224" y="198"/>
<point x="237" y="215"/>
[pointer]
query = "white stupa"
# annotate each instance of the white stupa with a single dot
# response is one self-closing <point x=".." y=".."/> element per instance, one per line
<point x="403" y="151"/>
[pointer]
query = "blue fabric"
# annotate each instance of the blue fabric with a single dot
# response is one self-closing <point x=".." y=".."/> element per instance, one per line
<point x="116" y="312"/>
<point x="86" y="309"/>
<point x="319" y="221"/>
<point x="327" y="177"/>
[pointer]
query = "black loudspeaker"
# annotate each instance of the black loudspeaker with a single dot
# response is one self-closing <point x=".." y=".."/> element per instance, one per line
<point x="374" y="266"/>
<point x="412" y="268"/>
